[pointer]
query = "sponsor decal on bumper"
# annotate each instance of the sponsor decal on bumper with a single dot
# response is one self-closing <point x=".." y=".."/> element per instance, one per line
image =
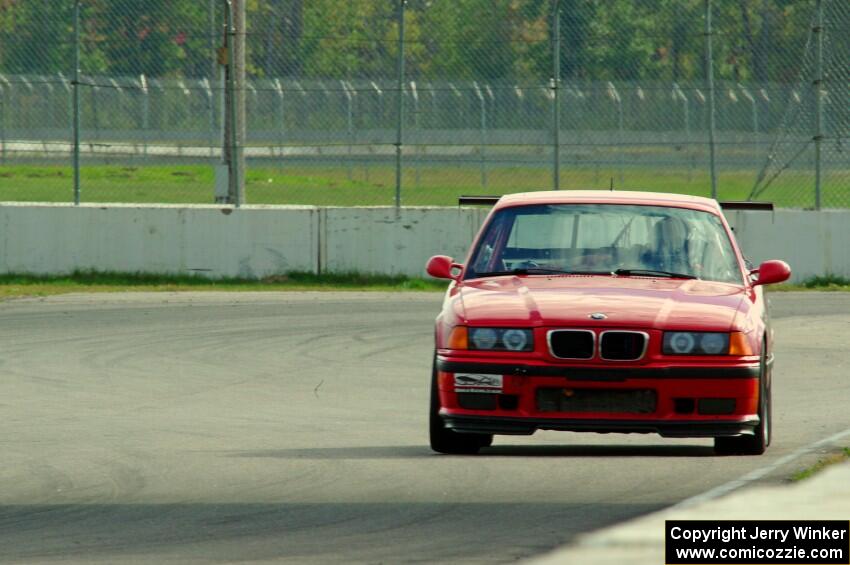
<point x="474" y="382"/>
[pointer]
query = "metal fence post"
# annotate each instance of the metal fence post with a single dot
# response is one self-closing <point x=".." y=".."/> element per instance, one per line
<point x="556" y="95"/>
<point x="213" y="29"/>
<point x="240" y="23"/>
<point x="235" y="99"/>
<point x="69" y="99"/>
<point x="686" y="116"/>
<point x="755" y="113"/>
<point x="210" y="114"/>
<point x="349" y="124"/>
<point x="49" y="104"/>
<point x="380" y="94"/>
<point x="146" y="114"/>
<point x="76" y="85"/>
<point x="709" y="71"/>
<point x="482" y="147"/>
<point x="214" y="84"/>
<point x="2" y="125"/>
<point x="818" y="86"/>
<point x="418" y="126"/>
<point x="400" y="102"/>
<point x="616" y="99"/>
<point x="281" y="117"/>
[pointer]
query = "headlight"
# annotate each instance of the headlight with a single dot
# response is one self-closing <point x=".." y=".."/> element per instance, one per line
<point x="501" y="339"/>
<point x="696" y="343"/>
<point x="516" y="340"/>
<point x="484" y="338"/>
<point x="715" y="344"/>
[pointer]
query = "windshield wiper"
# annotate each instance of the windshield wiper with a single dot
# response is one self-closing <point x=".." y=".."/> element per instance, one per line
<point x="653" y="273"/>
<point x="540" y="271"/>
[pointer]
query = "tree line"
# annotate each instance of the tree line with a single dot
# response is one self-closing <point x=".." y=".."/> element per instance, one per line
<point x="485" y="40"/>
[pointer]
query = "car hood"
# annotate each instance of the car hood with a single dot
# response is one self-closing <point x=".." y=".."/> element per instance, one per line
<point x="635" y="302"/>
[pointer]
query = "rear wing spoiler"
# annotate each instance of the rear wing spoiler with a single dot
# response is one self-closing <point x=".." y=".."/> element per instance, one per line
<point x="745" y="205"/>
<point x="725" y="205"/>
<point x="477" y="200"/>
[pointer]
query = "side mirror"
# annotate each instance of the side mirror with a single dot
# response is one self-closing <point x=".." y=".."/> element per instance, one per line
<point x="440" y="267"/>
<point x="771" y="272"/>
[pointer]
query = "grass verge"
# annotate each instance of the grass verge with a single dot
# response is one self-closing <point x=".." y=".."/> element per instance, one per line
<point x="12" y="286"/>
<point x="374" y="184"/>
<point x="831" y="283"/>
<point x="20" y="285"/>
<point x="823" y="463"/>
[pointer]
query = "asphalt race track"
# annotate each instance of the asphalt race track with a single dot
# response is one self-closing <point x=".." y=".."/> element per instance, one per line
<point x="264" y="427"/>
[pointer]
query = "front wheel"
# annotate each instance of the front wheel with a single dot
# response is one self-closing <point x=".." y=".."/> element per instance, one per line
<point x="757" y="443"/>
<point x="444" y="440"/>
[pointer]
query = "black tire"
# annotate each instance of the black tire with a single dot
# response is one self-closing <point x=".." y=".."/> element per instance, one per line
<point x="757" y="443"/>
<point x="444" y="440"/>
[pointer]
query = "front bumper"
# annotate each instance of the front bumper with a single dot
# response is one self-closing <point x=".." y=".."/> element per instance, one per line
<point x="665" y="428"/>
<point x="602" y="374"/>
<point x="675" y="388"/>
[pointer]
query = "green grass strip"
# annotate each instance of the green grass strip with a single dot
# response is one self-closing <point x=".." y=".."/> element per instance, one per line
<point x="840" y="457"/>
<point x="374" y="184"/>
<point x="18" y="285"/>
<point x="832" y="283"/>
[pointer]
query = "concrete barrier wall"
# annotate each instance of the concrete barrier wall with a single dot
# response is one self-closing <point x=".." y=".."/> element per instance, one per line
<point x="383" y="240"/>
<point x="206" y="240"/>
<point x="258" y="241"/>
<point x="813" y="243"/>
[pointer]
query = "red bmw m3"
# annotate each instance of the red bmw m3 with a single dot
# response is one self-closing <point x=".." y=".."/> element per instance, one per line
<point x="603" y="312"/>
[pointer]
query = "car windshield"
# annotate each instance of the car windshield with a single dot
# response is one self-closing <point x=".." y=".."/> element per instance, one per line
<point x="626" y="240"/>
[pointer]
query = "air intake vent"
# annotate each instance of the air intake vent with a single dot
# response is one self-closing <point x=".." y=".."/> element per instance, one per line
<point x="572" y="344"/>
<point x="596" y="400"/>
<point x="622" y="346"/>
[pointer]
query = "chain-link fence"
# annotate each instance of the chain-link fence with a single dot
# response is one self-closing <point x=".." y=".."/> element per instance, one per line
<point x="385" y="101"/>
<point x="813" y="134"/>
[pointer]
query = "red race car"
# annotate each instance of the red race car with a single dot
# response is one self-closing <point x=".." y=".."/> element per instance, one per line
<point x="603" y="312"/>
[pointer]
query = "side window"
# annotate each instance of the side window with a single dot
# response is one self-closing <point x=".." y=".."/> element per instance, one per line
<point x="484" y="259"/>
<point x="715" y="257"/>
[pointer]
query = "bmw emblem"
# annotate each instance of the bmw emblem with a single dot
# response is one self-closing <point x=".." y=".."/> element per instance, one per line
<point x="598" y="316"/>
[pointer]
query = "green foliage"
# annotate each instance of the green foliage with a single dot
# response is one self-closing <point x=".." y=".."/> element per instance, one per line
<point x="350" y="39"/>
<point x="484" y="40"/>
<point x="469" y="39"/>
<point x="154" y="37"/>
<point x="36" y="36"/>
<point x="828" y="281"/>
